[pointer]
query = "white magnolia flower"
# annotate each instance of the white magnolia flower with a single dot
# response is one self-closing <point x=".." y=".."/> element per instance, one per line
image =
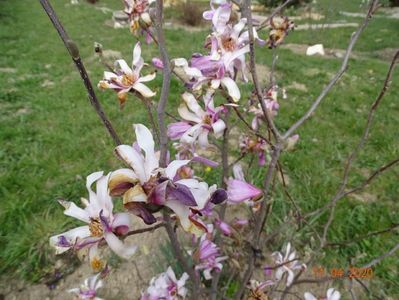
<point x="165" y="286"/>
<point x="332" y="294"/>
<point x="288" y="264"/>
<point x="88" y="290"/>
<point x="125" y="78"/>
<point x="102" y="224"/>
<point x="197" y="123"/>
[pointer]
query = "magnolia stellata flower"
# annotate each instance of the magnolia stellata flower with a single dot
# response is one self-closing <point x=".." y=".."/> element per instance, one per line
<point x="332" y="294"/>
<point x="208" y="257"/>
<point x="102" y="224"/>
<point x="280" y="26"/>
<point x="288" y="264"/>
<point x="146" y="187"/>
<point x="88" y="290"/>
<point x="238" y="190"/>
<point x="197" y="123"/>
<point x="138" y="12"/>
<point x="126" y="79"/>
<point x="165" y="286"/>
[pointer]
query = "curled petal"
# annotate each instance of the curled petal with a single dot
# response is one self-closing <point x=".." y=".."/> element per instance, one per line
<point x="120" y="181"/>
<point x="134" y="194"/>
<point x="65" y="241"/>
<point x="232" y="88"/>
<point x="172" y="168"/>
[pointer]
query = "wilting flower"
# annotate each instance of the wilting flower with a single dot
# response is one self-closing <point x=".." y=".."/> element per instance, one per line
<point x="165" y="286"/>
<point x="288" y="264"/>
<point x="332" y="294"/>
<point x="126" y="79"/>
<point x="197" y="123"/>
<point x="271" y="104"/>
<point x="254" y="145"/>
<point x="102" y="224"/>
<point x="146" y="187"/>
<point x="138" y="12"/>
<point x="280" y="26"/>
<point x="238" y="190"/>
<point x="208" y="257"/>
<point x="256" y="289"/>
<point x="88" y="290"/>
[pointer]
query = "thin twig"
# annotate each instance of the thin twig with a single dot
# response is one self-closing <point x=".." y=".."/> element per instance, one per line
<point x="246" y="7"/>
<point x="74" y="52"/>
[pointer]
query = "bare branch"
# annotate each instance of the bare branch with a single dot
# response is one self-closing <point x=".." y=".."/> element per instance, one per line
<point x="338" y="75"/>
<point x="74" y="52"/>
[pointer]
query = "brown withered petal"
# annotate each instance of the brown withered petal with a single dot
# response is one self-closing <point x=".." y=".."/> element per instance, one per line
<point x="120" y="181"/>
<point x="134" y="194"/>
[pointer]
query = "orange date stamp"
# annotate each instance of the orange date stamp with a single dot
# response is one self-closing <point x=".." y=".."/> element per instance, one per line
<point x="351" y="272"/>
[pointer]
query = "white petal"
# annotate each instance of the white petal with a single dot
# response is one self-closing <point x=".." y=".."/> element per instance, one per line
<point x="172" y="168"/>
<point x="182" y="211"/>
<point x="232" y="88"/>
<point x="71" y="236"/>
<point x="146" y="142"/>
<point x="203" y="138"/>
<point x="124" y="66"/>
<point x="72" y="210"/>
<point x="143" y="90"/>
<point x="109" y="75"/>
<point x="193" y="104"/>
<point x="188" y="115"/>
<point x="136" y="53"/>
<point x="218" y="128"/>
<point x="103" y="196"/>
<point x="309" y="296"/>
<point x="116" y="245"/>
<point x="134" y="159"/>
<point x="147" y="78"/>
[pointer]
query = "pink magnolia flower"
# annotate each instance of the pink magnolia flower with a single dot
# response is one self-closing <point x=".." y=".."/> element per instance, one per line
<point x="289" y="263"/>
<point x="204" y="69"/>
<point x="126" y="79"/>
<point x="102" y="224"/>
<point x="332" y="294"/>
<point x="208" y="256"/>
<point x="238" y="190"/>
<point x="88" y="290"/>
<point x="197" y="123"/>
<point x="165" y="286"/>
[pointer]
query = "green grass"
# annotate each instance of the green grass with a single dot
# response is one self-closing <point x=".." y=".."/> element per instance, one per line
<point x="51" y="139"/>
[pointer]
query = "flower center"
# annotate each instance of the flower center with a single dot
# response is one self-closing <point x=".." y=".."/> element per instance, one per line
<point x="96" y="264"/>
<point x="128" y="79"/>
<point x="207" y="119"/>
<point x="95" y="227"/>
<point x="228" y="43"/>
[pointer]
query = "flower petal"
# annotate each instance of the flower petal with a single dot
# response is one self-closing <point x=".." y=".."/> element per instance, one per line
<point x="232" y="88"/>
<point x="134" y="159"/>
<point x="239" y="191"/>
<point x="172" y="168"/>
<point x="117" y="246"/>
<point x="121" y="180"/>
<point x="143" y="90"/>
<point x="146" y="142"/>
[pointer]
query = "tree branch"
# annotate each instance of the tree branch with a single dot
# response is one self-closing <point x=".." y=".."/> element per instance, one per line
<point x="74" y="52"/>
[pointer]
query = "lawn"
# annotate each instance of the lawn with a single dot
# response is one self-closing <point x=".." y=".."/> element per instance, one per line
<point x="51" y="139"/>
